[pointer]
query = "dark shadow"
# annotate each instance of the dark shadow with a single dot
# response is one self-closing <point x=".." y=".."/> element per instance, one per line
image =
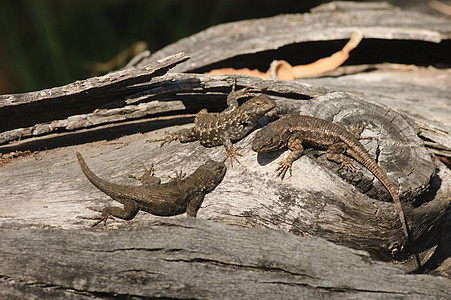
<point x="431" y="192"/>
<point x="264" y="158"/>
<point x="369" y="51"/>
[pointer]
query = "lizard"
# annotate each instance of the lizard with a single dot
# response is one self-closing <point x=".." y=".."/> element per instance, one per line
<point x="179" y="195"/>
<point x="294" y="131"/>
<point x="232" y="124"/>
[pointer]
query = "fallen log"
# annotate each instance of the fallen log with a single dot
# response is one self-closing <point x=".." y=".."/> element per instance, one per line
<point x="193" y="258"/>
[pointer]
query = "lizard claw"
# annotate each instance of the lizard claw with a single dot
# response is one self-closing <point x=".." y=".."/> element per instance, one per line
<point x="232" y="153"/>
<point x="179" y="174"/>
<point x="167" y="139"/>
<point x="282" y="169"/>
<point x="349" y="166"/>
<point x="357" y="130"/>
<point x="102" y="218"/>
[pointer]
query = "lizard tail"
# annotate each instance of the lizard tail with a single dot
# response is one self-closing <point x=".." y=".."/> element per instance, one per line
<point x="113" y="190"/>
<point x="93" y="178"/>
<point x="371" y="165"/>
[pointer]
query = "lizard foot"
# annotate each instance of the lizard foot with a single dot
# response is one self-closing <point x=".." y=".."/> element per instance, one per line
<point x="167" y="139"/>
<point x="102" y="218"/>
<point x="282" y="169"/>
<point x="232" y="153"/>
<point x="349" y="166"/>
<point x="357" y="130"/>
<point x="148" y="178"/>
<point x="150" y="171"/>
<point x="179" y="174"/>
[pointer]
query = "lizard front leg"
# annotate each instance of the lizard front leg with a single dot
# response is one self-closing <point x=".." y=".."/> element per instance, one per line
<point x="194" y="204"/>
<point x="336" y="153"/>
<point x="295" y="145"/>
<point x="148" y="178"/>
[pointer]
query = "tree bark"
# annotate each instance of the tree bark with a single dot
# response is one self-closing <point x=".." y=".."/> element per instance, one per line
<point x="192" y="258"/>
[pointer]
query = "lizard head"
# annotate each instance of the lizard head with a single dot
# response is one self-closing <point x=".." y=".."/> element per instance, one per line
<point x="258" y="106"/>
<point x="268" y="139"/>
<point x="210" y="174"/>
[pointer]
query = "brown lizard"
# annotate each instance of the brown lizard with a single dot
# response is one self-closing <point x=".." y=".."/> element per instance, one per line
<point x="175" y="197"/>
<point x="294" y="131"/>
<point x="234" y="123"/>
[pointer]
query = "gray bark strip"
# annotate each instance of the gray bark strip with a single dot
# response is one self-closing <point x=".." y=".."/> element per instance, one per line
<point x="191" y="258"/>
<point x="78" y="97"/>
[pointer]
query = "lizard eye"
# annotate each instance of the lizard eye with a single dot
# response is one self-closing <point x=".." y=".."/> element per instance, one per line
<point x="275" y="142"/>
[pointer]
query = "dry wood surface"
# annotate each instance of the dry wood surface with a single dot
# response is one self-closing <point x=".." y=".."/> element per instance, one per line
<point x="321" y="233"/>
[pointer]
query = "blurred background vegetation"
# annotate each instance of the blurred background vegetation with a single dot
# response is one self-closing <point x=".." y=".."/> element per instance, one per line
<point x="47" y="43"/>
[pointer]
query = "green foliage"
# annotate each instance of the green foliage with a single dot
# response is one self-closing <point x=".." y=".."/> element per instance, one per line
<point x="46" y="43"/>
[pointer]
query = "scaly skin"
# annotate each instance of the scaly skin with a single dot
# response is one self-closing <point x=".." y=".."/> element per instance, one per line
<point x="175" y="197"/>
<point x="293" y="131"/>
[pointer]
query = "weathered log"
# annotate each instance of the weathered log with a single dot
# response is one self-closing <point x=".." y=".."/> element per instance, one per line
<point x="26" y="109"/>
<point x="192" y="258"/>
<point x="42" y="194"/>
<point x="315" y="201"/>
<point x="234" y="44"/>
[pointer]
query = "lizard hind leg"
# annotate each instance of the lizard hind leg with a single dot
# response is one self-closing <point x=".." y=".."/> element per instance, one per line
<point x="357" y="130"/>
<point x="127" y="213"/>
<point x="336" y="153"/>
<point x="171" y="136"/>
<point x="183" y="135"/>
<point x="148" y="178"/>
